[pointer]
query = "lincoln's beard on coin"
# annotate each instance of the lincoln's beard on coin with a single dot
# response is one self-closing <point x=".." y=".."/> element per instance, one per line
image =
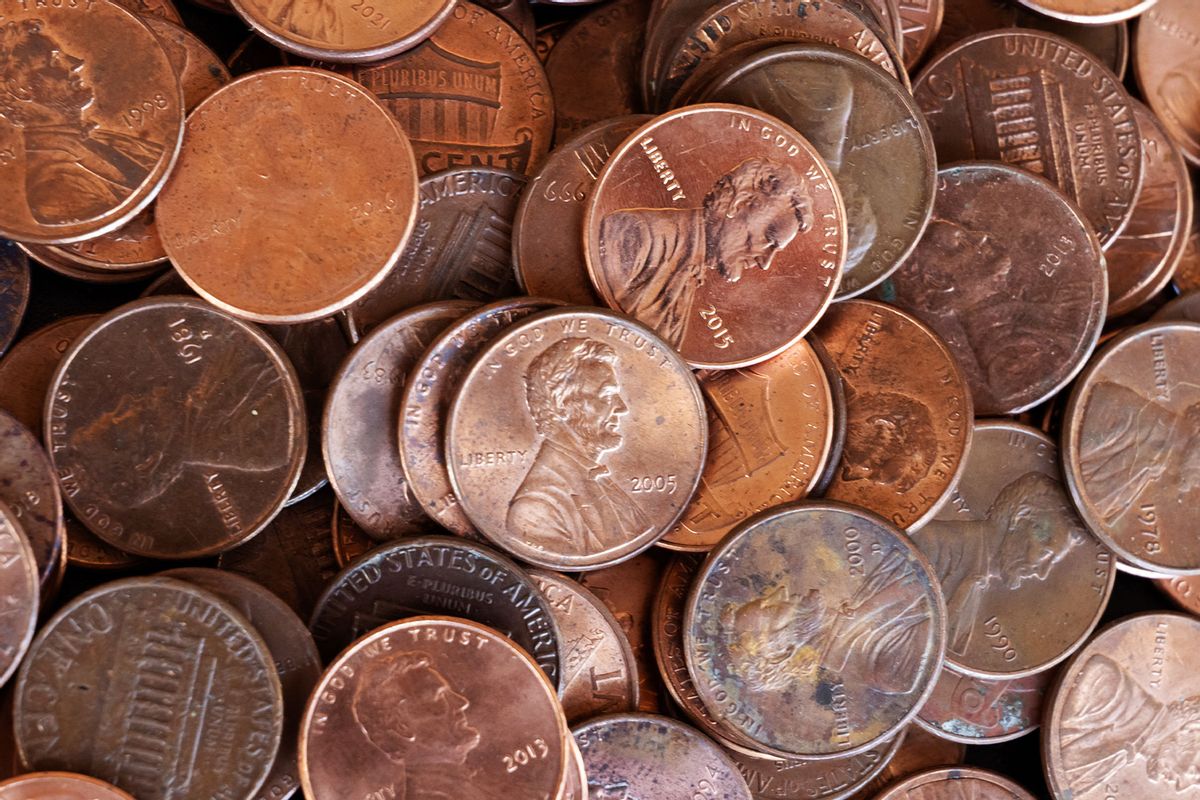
<point x="609" y="791"/>
<point x="889" y="439"/>
<point x="657" y="258"/>
<point x="312" y="19"/>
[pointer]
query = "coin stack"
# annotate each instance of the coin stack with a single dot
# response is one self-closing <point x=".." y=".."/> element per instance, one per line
<point x="647" y="400"/>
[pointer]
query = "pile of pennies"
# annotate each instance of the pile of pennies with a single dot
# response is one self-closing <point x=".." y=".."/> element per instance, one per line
<point x="644" y="400"/>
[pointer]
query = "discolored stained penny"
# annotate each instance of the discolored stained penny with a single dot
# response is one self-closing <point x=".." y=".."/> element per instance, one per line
<point x="1185" y="592"/>
<point x="1039" y="102"/>
<point x="816" y="630"/>
<point x="474" y="94"/>
<point x="1130" y="446"/>
<point x="980" y="711"/>
<point x="296" y="232"/>
<point x="1167" y="66"/>
<point x="870" y="133"/>
<point x="921" y="21"/>
<point x="826" y="779"/>
<point x="59" y="786"/>
<point x="576" y="439"/>
<point x="177" y="431"/>
<point x="26" y="371"/>
<point x="14" y="292"/>
<point x="546" y="247"/>
<point x="414" y="709"/>
<point x="154" y="685"/>
<point x="770" y="432"/>
<point x="349" y="540"/>
<point x="952" y="784"/>
<point x="1090" y="12"/>
<point x="461" y="247"/>
<point x="94" y="130"/>
<point x="30" y="490"/>
<point x="362" y="416"/>
<point x="720" y="228"/>
<point x="908" y="412"/>
<point x="918" y="752"/>
<point x="19" y="592"/>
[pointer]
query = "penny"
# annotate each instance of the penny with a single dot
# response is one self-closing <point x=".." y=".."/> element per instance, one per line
<point x="1185" y="592"/>
<point x="177" y="431"/>
<point x="461" y="247"/>
<point x="921" y="21"/>
<point x="870" y="133"/>
<point x="558" y="441"/>
<point x="19" y="590"/>
<point x="1090" y="12"/>
<point x="94" y="130"/>
<point x="59" y="786"/>
<point x="132" y="248"/>
<point x="26" y="371"/>
<point x="426" y="398"/>
<point x="575" y="782"/>
<point x="1185" y="308"/>
<point x="951" y="784"/>
<point x="827" y="779"/>
<point x="362" y="416"/>
<point x="987" y="98"/>
<point x="349" y="540"/>
<point x="1166" y="60"/>
<point x="1128" y="452"/>
<point x="732" y="258"/>
<point x="52" y="259"/>
<point x="980" y="711"/>
<point x="473" y="94"/>
<point x="414" y="709"/>
<point x="888" y="14"/>
<point x="30" y="490"/>
<point x="546" y="248"/>
<point x="918" y="752"/>
<point x="549" y="35"/>
<point x="815" y="630"/>
<point x="599" y="674"/>
<point x="644" y="755"/>
<point x="908" y="412"/>
<point x="153" y="9"/>
<point x="1187" y="274"/>
<point x="518" y="14"/>
<point x="255" y="53"/>
<point x="294" y="233"/>
<point x="838" y="393"/>
<point x="14" y="291"/>
<point x="770" y="430"/>
<point x="154" y="685"/>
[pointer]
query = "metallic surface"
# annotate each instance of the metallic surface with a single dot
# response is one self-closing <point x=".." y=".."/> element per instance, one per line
<point x="979" y="711"/>
<point x="59" y="786"/>
<point x="14" y="291"/>
<point x="19" y="591"/>
<point x="952" y="784"/>
<point x="1166" y="63"/>
<point x="30" y="490"/>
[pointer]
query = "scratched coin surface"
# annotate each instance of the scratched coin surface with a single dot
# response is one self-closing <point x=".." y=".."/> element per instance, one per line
<point x="59" y="786"/>
<point x="816" y="630"/>
<point x="177" y="430"/>
<point x="30" y="490"/>
<point x="154" y="685"/>
<point x="1167" y="66"/>
<point x="576" y="439"/>
<point x="14" y="291"/>
<point x="824" y="779"/>
<point x="955" y="783"/>
<point x="981" y="711"/>
<point x="19" y="592"/>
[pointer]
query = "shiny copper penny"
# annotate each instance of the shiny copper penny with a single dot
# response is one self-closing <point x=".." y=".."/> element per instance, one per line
<point x="153" y="9"/>
<point x="1185" y="592"/>
<point x="815" y="630"/>
<point x="19" y="592"/>
<point x="980" y="711"/>
<point x="1166" y="63"/>
<point x="1041" y="103"/>
<point x="154" y="685"/>
<point x="472" y="94"/>
<point x="26" y="371"/>
<point x="576" y="439"/>
<point x="59" y="786"/>
<point x="53" y="259"/>
<point x="918" y="752"/>
<point x="1128" y="453"/>
<point x="177" y="431"/>
<point x="1091" y="12"/>
<point x="349" y="540"/>
<point x="296" y="232"/>
<point x="92" y="130"/>
<point x="921" y="21"/>
<point x="362" y="415"/>
<point x="952" y="784"/>
<point x="30" y="490"/>
<point x="14" y="291"/>
<point x="908" y="412"/>
<point x="433" y="707"/>
<point x="731" y="250"/>
<point x="826" y="779"/>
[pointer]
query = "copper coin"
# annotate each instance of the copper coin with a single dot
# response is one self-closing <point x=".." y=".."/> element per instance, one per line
<point x="548" y="35"/>
<point x="888" y="13"/>
<point x="952" y="784"/>
<point x="816" y="630"/>
<point x="872" y="136"/>
<point x="1167" y="66"/>
<point x="19" y="591"/>
<point x="436" y="575"/>
<point x="461" y="248"/>
<point x="349" y="540"/>
<point x="30" y="490"/>
<point x="1185" y="308"/>
<point x="826" y="779"/>
<point x="918" y="752"/>
<point x="177" y="431"/>
<point x="14" y="291"/>
<point x="153" y="9"/>
<point x="425" y="402"/>
<point x="770" y="431"/>
<point x="908" y="412"/>
<point x="980" y="711"/>
<point x="989" y="97"/>
<point x="59" y="786"/>
<point x="1090" y="12"/>
<point x="255" y="53"/>
<point x="294" y="233"/>
<point x="1128" y="446"/>
<point x="576" y="439"/>
<point x="1122" y="721"/>
<point x="26" y="371"/>
<point x="52" y="259"/>
<point x="1185" y="592"/>
<point x="91" y="134"/>
<point x="413" y="711"/>
<point x="575" y="782"/>
<point x="154" y="685"/>
<point x="362" y="415"/>
<point x="1187" y="273"/>
<point x="599" y="674"/>
<point x="518" y="14"/>
<point x="635" y="756"/>
<point x="921" y="20"/>
<point x="472" y="94"/>
<point x="732" y="258"/>
<point x="547" y="250"/>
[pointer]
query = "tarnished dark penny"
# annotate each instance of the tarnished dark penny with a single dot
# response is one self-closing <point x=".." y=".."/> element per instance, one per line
<point x="770" y="431"/>
<point x="1167" y="66"/>
<point x="30" y="490"/>
<point x="14" y="292"/>
<point x="918" y="752"/>
<point x="871" y="134"/>
<point x="26" y="371"/>
<point x="800" y="779"/>
<point x="19" y="592"/>
<point x="433" y="707"/>
<point x="730" y="249"/>
<point x="1090" y="12"/>
<point x="425" y="402"/>
<point x="177" y="431"/>
<point x="349" y="540"/>
<point x="1039" y="102"/>
<point x="955" y="783"/>
<point x="297" y="232"/>
<point x="154" y="685"/>
<point x="548" y="36"/>
<point x="362" y="416"/>
<point x="908" y="412"/>
<point x="576" y="439"/>
<point x="816" y="630"/>
<point x="472" y="94"/>
<point x="461" y="248"/>
<point x="921" y="21"/>
<point x="1185" y="592"/>
<point x="89" y="131"/>
<point x="59" y="786"/>
<point x="547" y="250"/>
<point x="1185" y="308"/>
<point x="437" y="575"/>
<point x="629" y="756"/>
<point x="980" y="711"/>
<point x="1130" y="446"/>
<point x="599" y="673"/>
